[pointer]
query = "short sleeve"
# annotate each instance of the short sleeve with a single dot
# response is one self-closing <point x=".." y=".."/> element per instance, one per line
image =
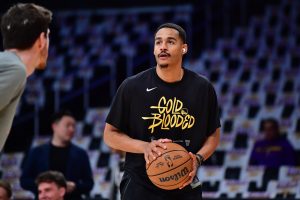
<point x="213" y="111"/>
<point x="12" y="82"/>
<point x="119" y="109"/>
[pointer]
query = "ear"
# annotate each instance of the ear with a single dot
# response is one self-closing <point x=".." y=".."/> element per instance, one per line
<point x="62" y="191"/>
<point x="42" y="40"/>
<point x="184" y="49"/>
<point x="53" y="125"/>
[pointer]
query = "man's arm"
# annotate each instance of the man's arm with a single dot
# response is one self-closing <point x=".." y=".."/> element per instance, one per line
<point x="85" y="185"/>
<point x="206" y="151"/>
<point x="6" y="120"/>
<point x="210" y="145"/>
<point x="12" y="80"/>
<point x="27" y="179"/>
<point x="11" y="84"/>
<point x="119" y="140"/>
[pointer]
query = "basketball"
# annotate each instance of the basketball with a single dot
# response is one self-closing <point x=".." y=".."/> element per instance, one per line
<point x="170" y="170"/>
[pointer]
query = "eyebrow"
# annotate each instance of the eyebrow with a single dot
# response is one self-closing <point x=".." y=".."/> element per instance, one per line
<point x="169" y="38"/>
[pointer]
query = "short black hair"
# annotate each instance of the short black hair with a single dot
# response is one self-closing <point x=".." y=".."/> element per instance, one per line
<point x="59" y="115"/>
<point x="181" y="31"/>
<point x="6" y="186"/>
<point x="273" y="121"/>
<point x="22" y="24"/>
<point x="51" y="177"/>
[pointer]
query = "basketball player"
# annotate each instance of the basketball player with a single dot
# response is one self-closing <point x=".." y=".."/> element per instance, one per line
<point x="163" y="104"/>
<point x="25" y="34"/>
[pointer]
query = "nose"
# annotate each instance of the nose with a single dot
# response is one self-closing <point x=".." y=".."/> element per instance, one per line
<point x="72" y="128"/>
<point x="41" y="196"/>
<point x="163" y="46"/>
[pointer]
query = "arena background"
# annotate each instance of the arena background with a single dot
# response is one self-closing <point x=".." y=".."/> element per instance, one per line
<point x="249" y="49"/>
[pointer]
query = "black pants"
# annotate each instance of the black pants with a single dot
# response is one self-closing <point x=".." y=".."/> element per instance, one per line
<point x="130" y="190"/>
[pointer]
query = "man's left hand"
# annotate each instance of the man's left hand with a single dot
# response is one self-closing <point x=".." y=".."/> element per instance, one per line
<point x="193" y="173"/>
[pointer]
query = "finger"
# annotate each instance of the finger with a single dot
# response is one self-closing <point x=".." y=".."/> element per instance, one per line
<point x="161" y="145"/>
<point x="165" y="140"/>
<point x="156" y="151"/>
<point x="189" y="182"/>
<point x="152" y="156"/>
<point x="155" y="143"/>
<point x="194" y="161"/>
<point x="192" y="156"/>
<point x="192" y="173"/>
<point x="191" y="178"/>
<point x="186" y="183"/>
<point x="156" y="154"/>
<point x="146" y="158"/>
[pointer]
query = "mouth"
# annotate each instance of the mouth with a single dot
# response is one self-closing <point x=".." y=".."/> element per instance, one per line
<point x="163" y="55"/>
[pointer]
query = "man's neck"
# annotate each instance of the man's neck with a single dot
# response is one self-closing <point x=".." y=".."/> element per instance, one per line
<point x="58" y="143"/>
<point x="170" y="74"/>
<point x="28" y="58"/>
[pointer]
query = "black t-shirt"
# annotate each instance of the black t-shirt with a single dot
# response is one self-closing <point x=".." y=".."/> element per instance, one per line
<point x="58" y="158"/>
<point x="145" y="107"/>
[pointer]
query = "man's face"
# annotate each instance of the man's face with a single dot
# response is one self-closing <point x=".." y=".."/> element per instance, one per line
<point x="168" y="47"/>
<point x="3" y="194"/>
<point x="44" y="52"/>
<point x="64" y="129"/>
<point x="270" y="130"/>
<point x="50" y="191"/>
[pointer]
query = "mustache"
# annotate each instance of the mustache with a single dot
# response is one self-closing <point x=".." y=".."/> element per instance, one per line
<point x="163" y="53"/>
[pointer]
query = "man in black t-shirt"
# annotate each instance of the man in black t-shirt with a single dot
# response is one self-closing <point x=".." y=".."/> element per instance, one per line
<point x="163" y="104"/>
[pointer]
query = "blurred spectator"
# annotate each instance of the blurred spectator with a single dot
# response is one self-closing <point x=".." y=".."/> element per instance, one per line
<point x="52" y="185"/>
<point x="5" y="190"/>
<point x="273" y="150"/>
<point x="60" y="154"/>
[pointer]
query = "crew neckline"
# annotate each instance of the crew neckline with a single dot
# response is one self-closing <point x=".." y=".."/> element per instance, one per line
<point x="170" y="83"/>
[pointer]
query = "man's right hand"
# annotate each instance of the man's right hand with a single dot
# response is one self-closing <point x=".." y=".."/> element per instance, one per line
<point x="151" y="149"/>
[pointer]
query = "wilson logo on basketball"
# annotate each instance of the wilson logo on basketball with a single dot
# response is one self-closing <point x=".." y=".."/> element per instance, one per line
<point x="170" y="114"/>
<point x="176" y="176"/>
